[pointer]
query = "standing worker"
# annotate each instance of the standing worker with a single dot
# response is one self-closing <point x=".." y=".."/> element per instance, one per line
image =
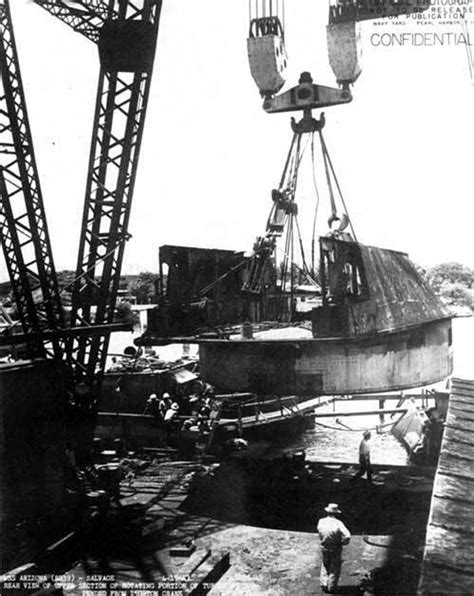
<point x="333" y="535"/>
<point x="364" y="458"/>
<point x="152" y="406"/>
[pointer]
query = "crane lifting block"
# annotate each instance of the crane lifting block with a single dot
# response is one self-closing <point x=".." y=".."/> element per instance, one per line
<point x="127" y="46"/>
<point x="267" y="55"/>
<point x="345" y="51"/>
<point x="306" y="96"/>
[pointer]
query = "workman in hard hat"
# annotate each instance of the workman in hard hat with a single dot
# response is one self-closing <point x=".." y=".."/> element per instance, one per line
<point x="152" y="406"/>
<point x="364" y="457"/>
<point x="333" y="535"/>
<point x="171" y="412"/>
<point x="165" y="403"/>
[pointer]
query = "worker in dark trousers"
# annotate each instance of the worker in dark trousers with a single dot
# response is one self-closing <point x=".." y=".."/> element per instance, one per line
<point x="333" y="535"/>
<point x="364" y="458"/>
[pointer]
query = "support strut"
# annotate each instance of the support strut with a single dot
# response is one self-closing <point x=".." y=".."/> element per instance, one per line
<point x="125" y="32"/>
<point x="23" y="228"/>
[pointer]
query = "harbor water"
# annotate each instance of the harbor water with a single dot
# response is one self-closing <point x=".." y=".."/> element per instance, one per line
<point x="331" y="440"/>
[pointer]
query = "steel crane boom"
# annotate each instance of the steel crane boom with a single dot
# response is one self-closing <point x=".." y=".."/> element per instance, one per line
<point x="85" y="17"/>
<point x="23" y="228"/>
<point x="125" y="32"/>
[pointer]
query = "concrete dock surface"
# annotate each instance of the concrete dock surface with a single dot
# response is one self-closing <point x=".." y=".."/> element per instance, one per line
<point x="250" y="528"/>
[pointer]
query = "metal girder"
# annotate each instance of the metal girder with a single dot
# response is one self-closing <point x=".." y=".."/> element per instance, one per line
<point x="306" y="96"/>
<point x="23" y="228"/>
<point x="12" y="339"/>
<point x="17" y="270"/>
<point x="126" y="39"/>
<point x="117" y="135"/>
<point x="85" y="17"/>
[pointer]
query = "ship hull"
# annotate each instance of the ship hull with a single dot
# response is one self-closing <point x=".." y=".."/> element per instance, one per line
<point x="382" y="362"/>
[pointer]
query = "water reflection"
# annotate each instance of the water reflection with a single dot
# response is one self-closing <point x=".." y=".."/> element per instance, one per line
<point x="325" y="444"/>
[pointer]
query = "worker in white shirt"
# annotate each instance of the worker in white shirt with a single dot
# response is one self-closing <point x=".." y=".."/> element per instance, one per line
<point x="333" y="535"/>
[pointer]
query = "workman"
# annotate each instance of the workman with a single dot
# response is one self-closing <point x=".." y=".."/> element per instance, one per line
<point x="333" y="535"/>
<point x="205" y="409"/>
<point x="152" y="406"/>
<point x="364" y="458"/>
<point x="165" y="403"/>
<point x="171" y="412"/>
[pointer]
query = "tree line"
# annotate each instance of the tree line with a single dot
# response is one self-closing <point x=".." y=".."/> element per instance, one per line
<point x="453" y="282"/>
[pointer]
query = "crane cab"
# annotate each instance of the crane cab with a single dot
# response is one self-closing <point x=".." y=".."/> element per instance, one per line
<point x="267" y="54"/>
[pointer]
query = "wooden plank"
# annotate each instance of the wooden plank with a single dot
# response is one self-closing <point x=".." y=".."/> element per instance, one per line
<point x="460" y="402"/>
<point x="461" y="409"/>
<point x="465" y="387"/>
<point x="453" y="466"/>
<point x="449" y="551"/>
<point x="456" y="382"/>
<point x="461" y="434"/>
<point x="459" y="424"/>
<point x="460" y="418"/>
<point x="462" y="391"/>
<point x="462" y="421"/>
<point x="209" y="573"/>
<point x="462" y="395"/>
<point x="466" y="394"/>
<point x="234" y="395"/>
<point x="437" y="581"/>
<point x="452" y="437"/>
<point x="461" y="405"/>
<point x="447" y="486"/>
<point x="454" y="514"/>
<point x="450" y="548"/>
<point x="452" y="448"/>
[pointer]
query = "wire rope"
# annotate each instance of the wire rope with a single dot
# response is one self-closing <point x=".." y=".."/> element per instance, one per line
<point x="300" y="240"/>
<point x="328" y="175"/>
<point x="316" y="209"/>
<point x="337" y="185"/>
<point x="470" y="62"/>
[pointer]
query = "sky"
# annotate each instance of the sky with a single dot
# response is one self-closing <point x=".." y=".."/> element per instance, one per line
<point x="210" y="154"/>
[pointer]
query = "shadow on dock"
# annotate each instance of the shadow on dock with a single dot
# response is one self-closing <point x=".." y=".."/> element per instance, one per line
<point x="253" y="524"/>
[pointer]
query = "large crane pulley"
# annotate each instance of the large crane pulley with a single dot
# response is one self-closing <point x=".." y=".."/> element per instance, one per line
<point x="344" y="32"/>
<point x="266" y="48"/>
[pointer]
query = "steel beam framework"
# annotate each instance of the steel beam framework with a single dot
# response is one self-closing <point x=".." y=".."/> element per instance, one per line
<point x="127" y="29"/>
<point x="83" y="16"/>
<point x="23" y="228"/>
